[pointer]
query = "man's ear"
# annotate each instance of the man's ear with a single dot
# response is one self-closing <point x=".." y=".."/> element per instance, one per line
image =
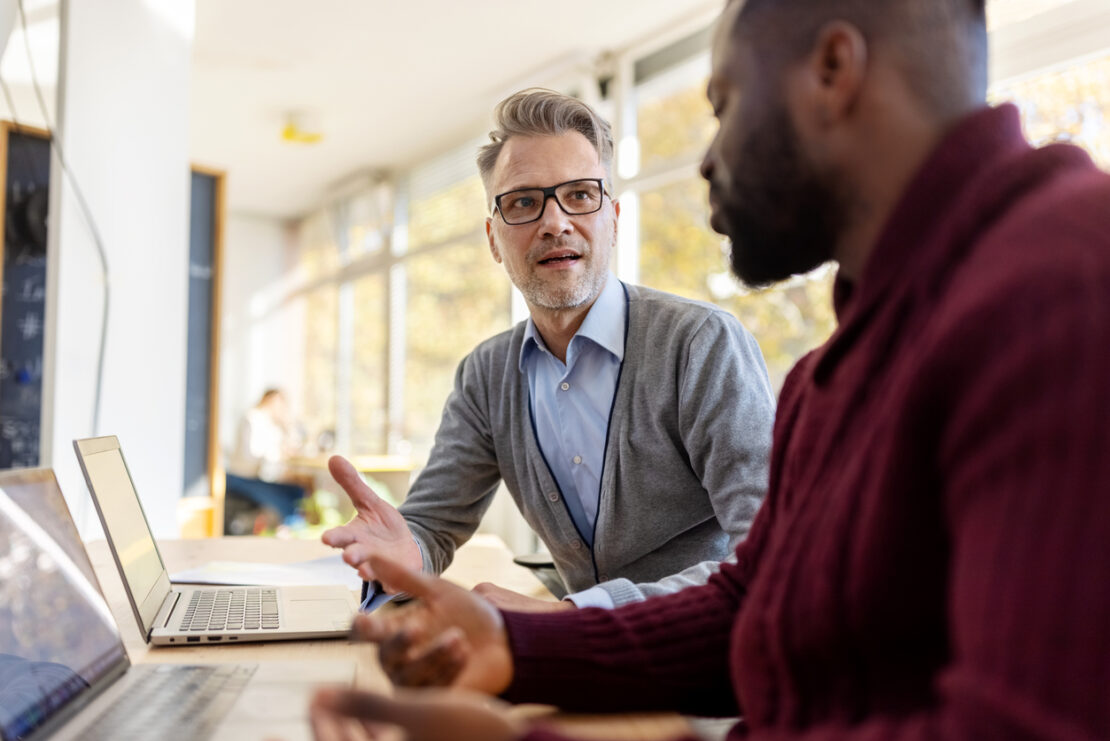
<point x="835" y="71"/>
<point x="489" y="236"/>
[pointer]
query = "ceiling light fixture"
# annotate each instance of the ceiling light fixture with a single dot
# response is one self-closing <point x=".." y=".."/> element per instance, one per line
<point x="301" y="128"/>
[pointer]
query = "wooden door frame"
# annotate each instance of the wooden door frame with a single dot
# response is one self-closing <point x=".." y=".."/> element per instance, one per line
<point x="216" y="479"/>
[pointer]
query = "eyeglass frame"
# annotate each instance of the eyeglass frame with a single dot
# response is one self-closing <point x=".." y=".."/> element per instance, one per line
<point x="549" y="192"/>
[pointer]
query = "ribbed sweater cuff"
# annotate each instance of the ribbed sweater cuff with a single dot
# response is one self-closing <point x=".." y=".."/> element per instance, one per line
<point x="548" y="734"/>
<point x="548" y="649"/>
<point x="659" y="655"/>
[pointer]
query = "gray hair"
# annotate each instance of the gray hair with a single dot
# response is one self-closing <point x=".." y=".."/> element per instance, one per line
<point x="542" y="112"/>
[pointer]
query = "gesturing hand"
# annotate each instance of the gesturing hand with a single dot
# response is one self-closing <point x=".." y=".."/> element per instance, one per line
<point x="448" y="637"/>
<point x="428" y="715"/>
<point x="377" y="526"/>
<point x="510" y="601"/>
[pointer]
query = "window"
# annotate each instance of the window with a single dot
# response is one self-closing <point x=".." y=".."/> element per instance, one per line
<point x="389" y="313"/>
<point x="368" y="410"/>
<point x="398" y="284"/>
<point x="1002" y="13"/>
<point x="321" y="343"/>
<point x="1065" y="105"/>
<point x="678" y="252"/>
<point x="673" y="115"/>
<point x="369" y="216"/>
<point x="457" y="295"/>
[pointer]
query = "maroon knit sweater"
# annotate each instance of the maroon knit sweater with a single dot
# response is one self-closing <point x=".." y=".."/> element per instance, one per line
<point x="933" y="557"/>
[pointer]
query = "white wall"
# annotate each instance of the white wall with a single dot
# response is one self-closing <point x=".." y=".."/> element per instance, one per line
<point x="262" y="330"/>
<point x="123" y="116"/>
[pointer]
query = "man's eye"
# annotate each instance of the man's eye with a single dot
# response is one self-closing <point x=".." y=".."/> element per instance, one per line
<point x="522" y="202"/>
<point x="580" y="195"/>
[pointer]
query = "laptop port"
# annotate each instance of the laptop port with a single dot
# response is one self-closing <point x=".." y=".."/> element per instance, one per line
<point x="215" y="638"/>
<point x="193" y="639"/>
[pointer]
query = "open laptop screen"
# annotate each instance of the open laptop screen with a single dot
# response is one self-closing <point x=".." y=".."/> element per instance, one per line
<point x="125" y="523"/>
<point x="57" y="636"/>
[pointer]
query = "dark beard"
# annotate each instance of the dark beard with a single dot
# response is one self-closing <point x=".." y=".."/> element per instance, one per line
<point x="782" y="219"/>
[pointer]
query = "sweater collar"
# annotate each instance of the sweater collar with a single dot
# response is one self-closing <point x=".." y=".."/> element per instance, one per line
<point x="946" y="192"/>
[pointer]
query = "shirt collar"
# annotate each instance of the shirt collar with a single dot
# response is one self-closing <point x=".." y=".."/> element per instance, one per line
<point x="604" y="324"/>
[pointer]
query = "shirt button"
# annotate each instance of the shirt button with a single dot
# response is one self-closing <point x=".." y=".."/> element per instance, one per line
<point x="577" y="459"/>
<point x="553" y="496"/>
<point x="564" y="386"/>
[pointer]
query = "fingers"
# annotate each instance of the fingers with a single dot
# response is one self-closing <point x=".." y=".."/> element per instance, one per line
<point x="397" y="578"/>
<point x="436" y="664"/>
<point x="334" y="702"/>
<point x="424" y="716"/>
<point x="376" y="628"/>
<point x="339" y="537"/>
<point x="328" y="725"/>
<point x="362" y="496"/>
<point x="412" y="651"/>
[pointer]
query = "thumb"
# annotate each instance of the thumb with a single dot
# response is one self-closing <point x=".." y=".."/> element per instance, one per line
<point x="352" y="703"/>
<point x="370" y="706"/>
<point x="424" y="714"/>
<point x="362" y="496"/>
<point x="397" y="578"/>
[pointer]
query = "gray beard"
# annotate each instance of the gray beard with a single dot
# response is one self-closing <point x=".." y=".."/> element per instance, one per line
<point x="538" y="293"/>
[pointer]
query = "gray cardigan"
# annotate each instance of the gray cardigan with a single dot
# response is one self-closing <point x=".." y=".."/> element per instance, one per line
<point x="685" y="462"/>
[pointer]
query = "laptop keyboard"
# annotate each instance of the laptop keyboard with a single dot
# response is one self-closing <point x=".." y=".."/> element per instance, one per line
<point x="172" y="702"/>
<point x="232" y="609"/>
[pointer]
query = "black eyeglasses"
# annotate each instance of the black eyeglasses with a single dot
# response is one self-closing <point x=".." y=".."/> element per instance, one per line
<point x="575" y="197"/>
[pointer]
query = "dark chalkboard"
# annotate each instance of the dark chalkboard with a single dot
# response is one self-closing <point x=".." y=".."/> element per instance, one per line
<point x="201" y="358"/>
<point x="25" y="162"/>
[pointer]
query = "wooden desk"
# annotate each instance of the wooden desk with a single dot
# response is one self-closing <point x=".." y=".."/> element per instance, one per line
<point x="484" y="558"/>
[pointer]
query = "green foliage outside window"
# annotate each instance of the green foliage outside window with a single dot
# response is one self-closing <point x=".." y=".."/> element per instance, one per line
<point x="681" y="254"/>
<point x="457" y="297"/>
<point x="369" y="374"/>
<point x="1071" y="105"/>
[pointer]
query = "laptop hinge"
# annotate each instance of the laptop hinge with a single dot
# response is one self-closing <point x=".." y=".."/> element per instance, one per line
<point x="162" y="619"/>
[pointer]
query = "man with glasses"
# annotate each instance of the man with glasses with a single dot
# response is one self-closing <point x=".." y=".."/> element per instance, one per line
<point x="631" y="427"/>
<point x="931" y="561"/>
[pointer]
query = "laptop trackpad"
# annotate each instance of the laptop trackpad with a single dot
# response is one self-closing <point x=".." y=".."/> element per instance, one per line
<point x="321" y="614"/>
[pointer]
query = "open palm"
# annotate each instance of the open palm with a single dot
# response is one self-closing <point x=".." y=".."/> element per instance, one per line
<point x="377" y="526"/>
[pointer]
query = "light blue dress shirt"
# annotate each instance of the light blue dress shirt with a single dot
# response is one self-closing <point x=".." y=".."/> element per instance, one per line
<point x="571" y="403"/>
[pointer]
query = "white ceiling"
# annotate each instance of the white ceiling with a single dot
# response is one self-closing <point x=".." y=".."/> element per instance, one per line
<point x="388" y="83"/>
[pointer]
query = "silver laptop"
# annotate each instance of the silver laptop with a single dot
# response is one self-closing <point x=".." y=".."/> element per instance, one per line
<point x="64" y="672"/>
<point x="174" y="615"/>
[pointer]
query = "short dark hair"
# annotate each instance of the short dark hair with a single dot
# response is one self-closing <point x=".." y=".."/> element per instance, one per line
<point x="941" y="43"/>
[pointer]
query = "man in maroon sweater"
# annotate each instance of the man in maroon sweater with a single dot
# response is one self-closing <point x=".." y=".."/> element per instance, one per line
<point x="932" y="558"/>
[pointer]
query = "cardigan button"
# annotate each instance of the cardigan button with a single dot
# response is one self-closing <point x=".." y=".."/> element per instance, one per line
<point x="553" y="496"/>
<point x="576" y="545"/>
<point x="604" y="577"/>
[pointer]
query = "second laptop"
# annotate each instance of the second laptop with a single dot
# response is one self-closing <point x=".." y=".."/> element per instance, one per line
<point x="174" y="615"/>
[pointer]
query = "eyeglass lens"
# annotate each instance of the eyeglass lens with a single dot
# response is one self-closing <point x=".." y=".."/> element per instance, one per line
<point x="577" y="197"/>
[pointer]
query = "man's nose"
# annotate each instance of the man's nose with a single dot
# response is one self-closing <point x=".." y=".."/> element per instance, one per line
<point x="553" y="220"/>
<point x="706" y="168"/>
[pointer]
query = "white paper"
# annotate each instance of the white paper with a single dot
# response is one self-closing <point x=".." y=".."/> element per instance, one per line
<point x="326" y="570"/>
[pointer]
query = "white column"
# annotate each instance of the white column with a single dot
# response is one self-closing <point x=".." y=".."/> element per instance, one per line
<point x="123" y="110"/>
